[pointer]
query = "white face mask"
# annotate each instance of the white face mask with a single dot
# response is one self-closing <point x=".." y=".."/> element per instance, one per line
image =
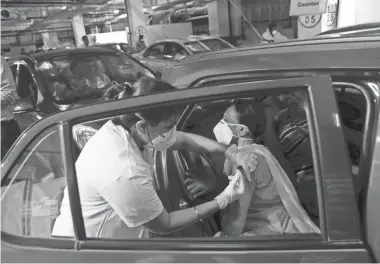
<point x="164" y="141"/>
<point x="223" y="132"/>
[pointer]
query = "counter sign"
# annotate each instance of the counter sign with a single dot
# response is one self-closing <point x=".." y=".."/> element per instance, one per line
<point x="307" y="7"/>
<point x="140" y="30"/>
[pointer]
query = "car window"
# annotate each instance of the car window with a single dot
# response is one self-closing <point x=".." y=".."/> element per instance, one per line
<point x="195" y="46"/>
<point x="33" y="191"/>
<point x="215" y="44"/>
<point x="26" y="86"/>
<point x="107" y="215"/>
<point x="73" y="78"/>
<point x="285" y="133"/>
<point x="175" y="52"/>
<point x="155" y="52"/>
<point x="129" y="49"/>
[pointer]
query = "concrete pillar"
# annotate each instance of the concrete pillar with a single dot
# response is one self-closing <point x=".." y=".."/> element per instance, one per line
<point x="225" y="19"/>
<point x="78" y="29"/>
<point x="136" y="21"/>
<point x="352" y="12"/>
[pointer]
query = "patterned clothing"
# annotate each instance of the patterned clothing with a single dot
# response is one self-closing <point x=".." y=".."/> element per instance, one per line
<point x="8" y="91"/>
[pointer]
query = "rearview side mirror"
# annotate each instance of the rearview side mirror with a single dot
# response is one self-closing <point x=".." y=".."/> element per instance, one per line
<point x="23" y="106"/>
<point x="158" y="74"/>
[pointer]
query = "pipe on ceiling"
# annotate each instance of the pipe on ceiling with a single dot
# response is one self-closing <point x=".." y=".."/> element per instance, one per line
<point x="9" y="3"/>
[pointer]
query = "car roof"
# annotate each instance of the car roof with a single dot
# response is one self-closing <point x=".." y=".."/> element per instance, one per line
<point x="359" y="27"/>
<point x="75" y="51"/>
<point x="363" y="52"/>
<point x="188" y="39"/>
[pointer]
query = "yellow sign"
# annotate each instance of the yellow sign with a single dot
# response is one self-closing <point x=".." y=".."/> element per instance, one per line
<point x="307" y="7"/>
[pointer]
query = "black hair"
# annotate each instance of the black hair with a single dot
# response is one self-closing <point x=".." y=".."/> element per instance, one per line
<point x="252" y="114"/>
<point x="146" y="86"/>
<point x="141" y="36"/>
<point x="84" y="37"/>
<point x="272" y="25"/>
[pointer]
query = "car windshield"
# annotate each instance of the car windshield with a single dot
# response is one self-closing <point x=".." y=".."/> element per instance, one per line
<point x="215" y="44"/>
<point x="129" y="49"/>
<point x="72" y="78"/>
<point x="195" y="47"/>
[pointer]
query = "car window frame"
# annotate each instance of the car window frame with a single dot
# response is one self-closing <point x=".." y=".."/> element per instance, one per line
<point x="115" y="108"/>
<point x="167" y="56"/>
<point x="32" y="72"/>
<point x="145" y="55"/>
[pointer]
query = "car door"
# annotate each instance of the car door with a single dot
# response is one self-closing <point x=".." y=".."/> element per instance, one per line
<point x="154" y="57"/>
<point x="340" y="239"/>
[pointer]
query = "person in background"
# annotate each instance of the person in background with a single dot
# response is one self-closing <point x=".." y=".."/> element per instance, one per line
<point x="86" y="41"/>
<point x="23" y="52"/>
<point x="10" y="130"/>
<point x="140" y="44"/>
<point x="272" y="34"/>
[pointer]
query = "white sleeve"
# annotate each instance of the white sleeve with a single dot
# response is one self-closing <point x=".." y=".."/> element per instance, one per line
<point x="133" y="199"/>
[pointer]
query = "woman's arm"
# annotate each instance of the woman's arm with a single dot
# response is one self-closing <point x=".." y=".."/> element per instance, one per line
<point x="235" y="215"/>
<point x="198" y="144"/>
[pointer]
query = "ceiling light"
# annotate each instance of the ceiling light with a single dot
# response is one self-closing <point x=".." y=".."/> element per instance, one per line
<point x="123" y="16"/>
<point x="64" y="7"/>
<point x="116" y="11"/>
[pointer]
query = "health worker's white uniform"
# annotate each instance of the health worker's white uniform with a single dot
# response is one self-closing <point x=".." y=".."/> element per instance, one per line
<point x="115" y="187"/>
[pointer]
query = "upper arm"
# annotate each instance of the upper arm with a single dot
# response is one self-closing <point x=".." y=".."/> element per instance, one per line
<point x="134" y="199"/>
<point x="235" y="215"/>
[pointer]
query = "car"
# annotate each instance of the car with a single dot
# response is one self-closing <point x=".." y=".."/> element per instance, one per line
<point x="336" y="80"/>
<point x="38" y="75"/>
<point x="366" y="29"/>
<point x="168" y="52"/>
<point x="123" y="47"/>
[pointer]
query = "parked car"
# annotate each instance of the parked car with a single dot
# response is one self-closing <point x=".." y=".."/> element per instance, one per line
<point x="123" y="47"/>
<point x="366" y="29"/>
<point x="338" y="83"/>
<point x="47" y="82"/>
<point x="169" y="52"/>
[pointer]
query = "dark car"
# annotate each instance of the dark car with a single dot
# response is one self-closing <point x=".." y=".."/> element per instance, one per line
<point x="123" y="47"/>
<point x="335" y="84"/>
<point x="367" y="29"/>
<point x="60" y="79"/>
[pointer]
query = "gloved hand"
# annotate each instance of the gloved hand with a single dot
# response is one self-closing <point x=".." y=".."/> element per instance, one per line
<point x="244" y="158"/>
<point x="233" y="191"/>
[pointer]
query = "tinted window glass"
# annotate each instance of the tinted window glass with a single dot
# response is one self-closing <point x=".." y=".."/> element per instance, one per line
<point x="215" y="44"/>
<point x="33" y="190"/>
<point x="195" y="46"/>
<point x="73" y="78"/>
<point x="155" y="52"/>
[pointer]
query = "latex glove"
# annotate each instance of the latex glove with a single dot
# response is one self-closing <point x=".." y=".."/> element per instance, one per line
<point x="244" y="158"/>
<point x="197" y="187"/>
<point x="233" y="191"/>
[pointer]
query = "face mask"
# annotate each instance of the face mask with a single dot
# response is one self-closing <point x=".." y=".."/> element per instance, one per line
<point x="223" y="132"/>
<point x="164" y="141"/>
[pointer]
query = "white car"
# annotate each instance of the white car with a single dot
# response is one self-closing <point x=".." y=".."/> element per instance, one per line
<point x="168" y="52"/>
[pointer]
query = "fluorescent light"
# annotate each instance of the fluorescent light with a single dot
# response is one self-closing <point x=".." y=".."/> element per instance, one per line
<point x="123" y="16"/>
<point x="116" y="11"/>
<point x="64" y="7"/>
